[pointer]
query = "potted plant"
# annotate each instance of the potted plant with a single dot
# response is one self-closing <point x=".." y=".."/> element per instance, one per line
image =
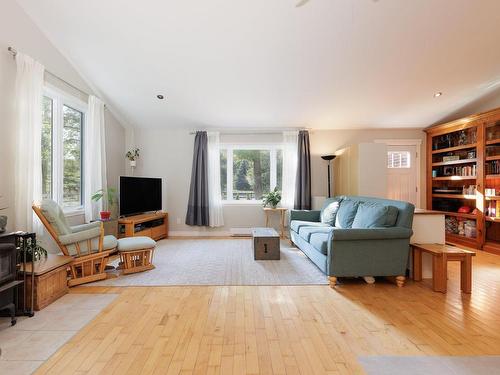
<point x="272" y="198"/>
<point x="132" y="156"/>
<point x="109" y="198"/>
<point x="33" y="251"/>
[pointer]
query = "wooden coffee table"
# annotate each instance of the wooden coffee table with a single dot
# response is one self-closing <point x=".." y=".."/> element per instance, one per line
<point x="441" y="255"/>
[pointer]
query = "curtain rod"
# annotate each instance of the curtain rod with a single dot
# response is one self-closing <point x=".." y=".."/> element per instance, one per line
<point x="252" y="132"/>
<point x="14" y="53"/>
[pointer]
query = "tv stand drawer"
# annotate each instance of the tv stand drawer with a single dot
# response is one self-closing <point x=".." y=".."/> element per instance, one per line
<point x="145" y="232"/>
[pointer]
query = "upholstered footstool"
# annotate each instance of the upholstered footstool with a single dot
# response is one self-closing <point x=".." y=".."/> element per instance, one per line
<point x="136" y="254"/>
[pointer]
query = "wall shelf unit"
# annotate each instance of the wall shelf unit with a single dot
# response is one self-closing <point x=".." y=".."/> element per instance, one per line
<point x="463" y="174"/>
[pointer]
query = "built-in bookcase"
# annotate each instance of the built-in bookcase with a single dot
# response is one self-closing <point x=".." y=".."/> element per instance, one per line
<point x="463" y="179"/>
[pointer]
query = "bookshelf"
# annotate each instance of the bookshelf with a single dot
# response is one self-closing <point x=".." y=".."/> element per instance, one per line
<point x="463" y="179"/>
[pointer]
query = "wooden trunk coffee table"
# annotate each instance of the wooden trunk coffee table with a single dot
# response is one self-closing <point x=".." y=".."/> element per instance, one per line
<point x="441" y="255"/>
<point x="266" y="244"/>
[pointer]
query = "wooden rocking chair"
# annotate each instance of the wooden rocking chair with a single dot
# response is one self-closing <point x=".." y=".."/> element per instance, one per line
<point x="86" y="243"/>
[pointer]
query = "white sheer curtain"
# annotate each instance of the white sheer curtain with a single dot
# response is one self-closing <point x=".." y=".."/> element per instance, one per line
<point x="290" y="147"/>
<point x="94" y="154"/>
<point x="216" y="217"/>
<point x="28" y="128"/>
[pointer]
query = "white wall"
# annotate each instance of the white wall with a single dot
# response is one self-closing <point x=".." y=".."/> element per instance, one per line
<point x="17" y="30"/>
<point x="168" y="154"/>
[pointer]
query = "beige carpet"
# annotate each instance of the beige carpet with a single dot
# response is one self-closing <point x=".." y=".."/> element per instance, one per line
<point x="221" y="262"/>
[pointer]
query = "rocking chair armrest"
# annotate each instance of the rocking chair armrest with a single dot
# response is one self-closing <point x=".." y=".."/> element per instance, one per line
<point x="84" y="235"/>
<point x="82" y="227"/>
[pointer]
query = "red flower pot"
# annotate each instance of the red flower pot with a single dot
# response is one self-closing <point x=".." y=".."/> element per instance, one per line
<point x="105" y="215"/>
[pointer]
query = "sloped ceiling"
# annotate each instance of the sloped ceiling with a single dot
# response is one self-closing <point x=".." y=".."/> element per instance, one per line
<point x="255" y="63"/>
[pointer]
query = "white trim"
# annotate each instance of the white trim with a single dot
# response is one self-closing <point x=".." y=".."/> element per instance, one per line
<point x="197" y="233"/>
<point x="409" y="142"/>
<point x="400" y="142"/>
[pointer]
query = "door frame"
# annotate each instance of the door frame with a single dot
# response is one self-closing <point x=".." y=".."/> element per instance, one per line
<point x="408" y="142"/>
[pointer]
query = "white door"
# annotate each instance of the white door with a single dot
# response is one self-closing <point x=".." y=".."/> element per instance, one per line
<point x="402" y="173"/>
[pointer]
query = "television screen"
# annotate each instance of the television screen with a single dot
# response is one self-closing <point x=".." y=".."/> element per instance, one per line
<point x="139" y="194"/>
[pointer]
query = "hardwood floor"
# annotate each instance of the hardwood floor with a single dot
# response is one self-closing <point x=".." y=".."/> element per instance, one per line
<point x="283" y="329"/>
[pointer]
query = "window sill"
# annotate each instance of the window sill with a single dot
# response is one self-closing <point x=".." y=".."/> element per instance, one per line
<point x="242" y="203"/>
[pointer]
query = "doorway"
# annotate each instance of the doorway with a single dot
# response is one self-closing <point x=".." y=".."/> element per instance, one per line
<point x="402" y="181"/>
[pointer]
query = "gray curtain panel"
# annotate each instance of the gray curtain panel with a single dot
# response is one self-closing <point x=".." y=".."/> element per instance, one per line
<point x="197" y="211"/>
<point x="303" y="181"/>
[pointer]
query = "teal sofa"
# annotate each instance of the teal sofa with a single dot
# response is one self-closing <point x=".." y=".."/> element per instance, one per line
<point x="356" y="236"/>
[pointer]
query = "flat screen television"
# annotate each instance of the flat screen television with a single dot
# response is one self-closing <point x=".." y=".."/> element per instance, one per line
<point x="139" y="194"/>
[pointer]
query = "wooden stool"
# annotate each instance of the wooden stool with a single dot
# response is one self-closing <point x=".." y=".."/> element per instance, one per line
<point x="441" y="254"/>
<point x="136" y="254"/>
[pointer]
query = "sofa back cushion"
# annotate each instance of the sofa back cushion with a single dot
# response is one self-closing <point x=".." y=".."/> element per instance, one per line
<point x="55" y="216"/>
<point x="329" y="210"/>
<point x="371" y="215"/>
<point x="404" y="217"/>
<point x="346" y="213"/>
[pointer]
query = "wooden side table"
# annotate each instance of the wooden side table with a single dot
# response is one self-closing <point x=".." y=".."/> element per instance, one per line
<point x="281" y="210"/>
<point x="51" y="279"/>
<point x="441" y="255"/>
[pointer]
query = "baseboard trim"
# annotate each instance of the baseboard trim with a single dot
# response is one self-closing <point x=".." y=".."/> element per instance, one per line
<point x="196" y="233"/>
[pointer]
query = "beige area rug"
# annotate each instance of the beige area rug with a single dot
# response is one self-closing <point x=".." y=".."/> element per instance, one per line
<point x="32" y="341"/>
<point x="221" y="262"/>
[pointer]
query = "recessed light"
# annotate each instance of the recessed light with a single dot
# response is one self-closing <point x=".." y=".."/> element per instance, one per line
<point x="438" y="94"/>
<point x="159" y="96"/>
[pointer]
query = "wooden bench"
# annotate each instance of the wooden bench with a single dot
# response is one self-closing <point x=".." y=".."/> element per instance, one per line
<point x="441" y="255"/>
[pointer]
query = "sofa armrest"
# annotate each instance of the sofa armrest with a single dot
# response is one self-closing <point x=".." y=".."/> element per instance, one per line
<point x="305" y="215"/>
<point x="82" y="227"/>
<point x="84" y="235"/>
<point x="370" y="234"/>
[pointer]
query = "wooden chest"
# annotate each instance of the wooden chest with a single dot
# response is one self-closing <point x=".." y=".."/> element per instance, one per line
<point x="50" y="280"/>
<point x="266" y="244"/>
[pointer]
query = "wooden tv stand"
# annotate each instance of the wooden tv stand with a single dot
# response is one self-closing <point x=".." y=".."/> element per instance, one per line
<point x="154" y="225"/>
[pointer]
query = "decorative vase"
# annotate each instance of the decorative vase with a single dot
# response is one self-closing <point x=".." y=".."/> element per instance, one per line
<point x="105" y="215"/>
<point x="133" y="163"/>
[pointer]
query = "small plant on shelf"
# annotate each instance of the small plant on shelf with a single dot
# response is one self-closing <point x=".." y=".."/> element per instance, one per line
<point x="33" y="251"/>
<point x="109" y="199"/>
<point x="272" y="198"/>
<point x="132" y="156"/>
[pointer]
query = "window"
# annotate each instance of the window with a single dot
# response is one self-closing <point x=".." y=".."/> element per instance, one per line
<point x="248" y="172"/>
<point x="398" y="159"/>
<point x="63" y="120"/>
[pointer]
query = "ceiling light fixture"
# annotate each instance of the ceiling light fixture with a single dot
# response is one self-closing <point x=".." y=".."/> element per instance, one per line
<point x="159" y="96"/>
<point x="438" y="94"/>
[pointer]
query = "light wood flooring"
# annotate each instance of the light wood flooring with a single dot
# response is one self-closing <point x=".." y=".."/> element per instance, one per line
<point x="283" y="329"/>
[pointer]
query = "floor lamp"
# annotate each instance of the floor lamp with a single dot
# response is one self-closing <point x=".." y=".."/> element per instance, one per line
<point x="329" y="158"/>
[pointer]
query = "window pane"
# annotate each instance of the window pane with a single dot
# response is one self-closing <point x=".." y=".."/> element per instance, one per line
<point x="279" y="170"/>
<point x="251" y="174"/>
<point x="72" y="157"/>
<point x="223" y="173"/>
<point x="47" y="121"/>
<point x="398" y="159"/>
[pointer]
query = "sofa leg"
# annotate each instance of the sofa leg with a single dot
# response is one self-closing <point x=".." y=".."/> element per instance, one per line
<point x="400" y="281"/>
<point x="333" y="281"/>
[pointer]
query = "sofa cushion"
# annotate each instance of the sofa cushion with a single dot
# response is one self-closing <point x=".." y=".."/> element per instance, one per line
<point x="392" y="216"/>
<point x="319" y="241"/>
<point x="296" y="224"/>
<point x="372" y="215"/>
<point x="306" y="232"/>
<point x="329" y="210"/>
<point x="346" y="213"/>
